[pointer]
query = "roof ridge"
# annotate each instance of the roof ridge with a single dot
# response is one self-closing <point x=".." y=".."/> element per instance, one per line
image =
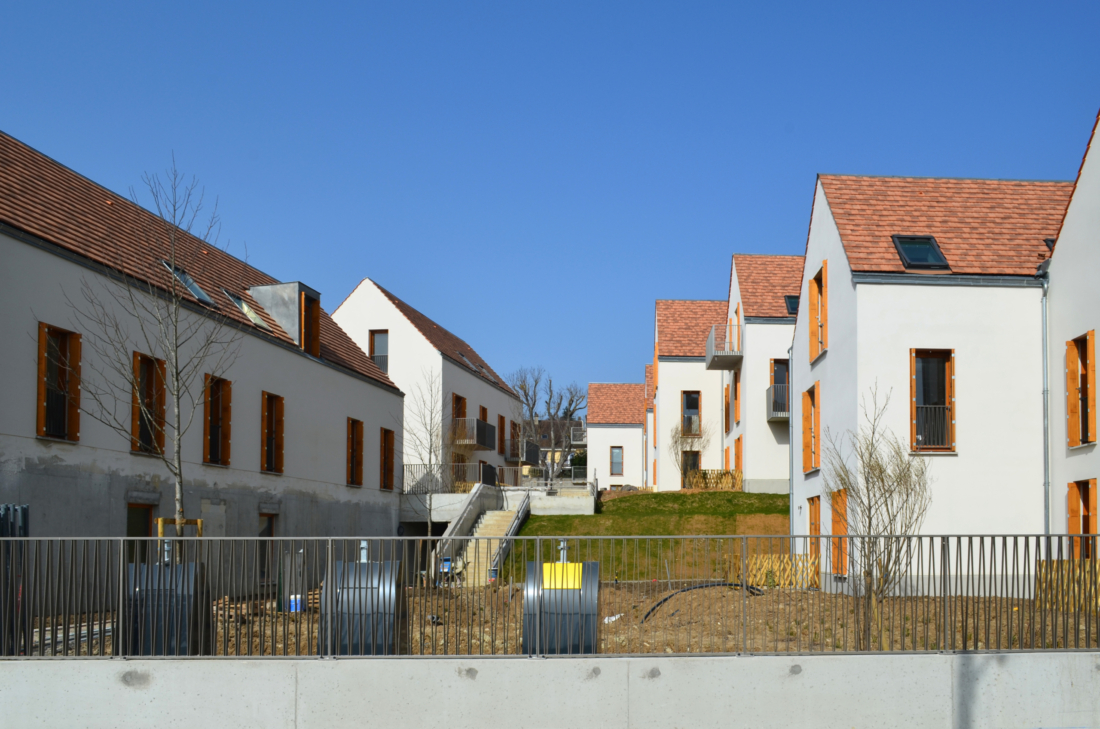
<point x="927" y="177"/>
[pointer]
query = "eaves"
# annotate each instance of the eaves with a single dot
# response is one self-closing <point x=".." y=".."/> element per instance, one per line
<point x="965" y="280"/>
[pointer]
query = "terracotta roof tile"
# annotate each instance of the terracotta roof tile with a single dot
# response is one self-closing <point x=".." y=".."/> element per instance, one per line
<point x="447" y="343"/>
<point x="649" y="389"/>
<point x="994" y="227"/>
<point x="616" y="403"/>
<point x="683" y="326"/>
<point x="765" y="280"/>
<point x="49" y="201"/>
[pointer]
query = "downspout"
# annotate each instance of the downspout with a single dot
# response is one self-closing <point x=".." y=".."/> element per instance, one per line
<point x="1045" y="278"/>
<point x="790" y="442"/>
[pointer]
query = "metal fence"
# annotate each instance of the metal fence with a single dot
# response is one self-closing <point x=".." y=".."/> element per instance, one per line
<point x="546" y="596"/>
<point x="933" y="426"/>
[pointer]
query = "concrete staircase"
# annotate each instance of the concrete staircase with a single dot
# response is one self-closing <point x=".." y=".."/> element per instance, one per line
<point x="489" y="530"/>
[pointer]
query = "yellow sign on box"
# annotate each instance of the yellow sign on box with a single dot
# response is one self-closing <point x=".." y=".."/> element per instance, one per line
<point x="561" y="576"/>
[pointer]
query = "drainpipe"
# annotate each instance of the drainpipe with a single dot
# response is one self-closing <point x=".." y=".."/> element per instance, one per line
<point x="790" y="441"/>
<point x="1045" y="278"/>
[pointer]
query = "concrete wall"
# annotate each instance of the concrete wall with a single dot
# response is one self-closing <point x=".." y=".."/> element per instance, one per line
<point x="601" y="438"/>
<point x="937" y="690"/>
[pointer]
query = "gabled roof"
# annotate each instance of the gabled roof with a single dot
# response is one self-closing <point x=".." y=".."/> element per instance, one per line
<point x="683" y="326"/>
<point x="51" y="202"/>
<point x="615" y="403"/>
<point x="764" y="280"/>
<point x="993" y="227"/>
<point x="649" y="393"/>
<point x="447" y="343"/>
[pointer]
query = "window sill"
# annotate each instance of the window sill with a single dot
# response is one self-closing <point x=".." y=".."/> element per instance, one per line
<point x="1072" y="448"/>
<point x="812" y="471"/>
<point x="215" y="465"/>
<point x="354" y="485"/>
<point x="820" y="354"/>
<point x="51" y="439"/>
<point x="933" y="453"/>
<point x="145" y="454"/>
<point x="270" y="473"/>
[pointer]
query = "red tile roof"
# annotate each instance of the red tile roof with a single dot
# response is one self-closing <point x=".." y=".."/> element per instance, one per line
<point x="683" y="326"/>
<point x="51" y="202"/>
<point x="764" y="281"/>
<point x="994" y="227"/>
<point x="448" y="343"/>
<point x="649" y="389"/>
<point x="616" y="403"/>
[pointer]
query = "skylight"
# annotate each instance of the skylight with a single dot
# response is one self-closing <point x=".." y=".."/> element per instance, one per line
<point x="247" y="310"/>
<point x="183" y="277"/>
<point x="792" y="304"/>
<point x="919" y="251"/>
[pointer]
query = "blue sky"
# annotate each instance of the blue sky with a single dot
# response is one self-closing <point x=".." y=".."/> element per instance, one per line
<point x="533" y="175"/>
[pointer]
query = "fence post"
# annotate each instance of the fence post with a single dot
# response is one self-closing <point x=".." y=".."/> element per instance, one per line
<point x="945" y="559"/>
<point x="118" y="647"/>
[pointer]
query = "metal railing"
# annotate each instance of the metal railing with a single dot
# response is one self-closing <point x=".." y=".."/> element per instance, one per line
<point x="933" y="426"/>
<point x="472" y="432"/>
<point x="521" y="451"/>
<point x="778" y="402"/>
<point x="441" y="478"/>
<point x="723" y="349"/>
<point x="645" y="595"/>
<point x="382" y="360"/>
<point x="522" y="512"/>
<point x="690" y="425"/>
<point x="579" y="435"/>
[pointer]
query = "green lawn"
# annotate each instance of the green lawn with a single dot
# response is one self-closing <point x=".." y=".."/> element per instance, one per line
<point x="672" y="513"/>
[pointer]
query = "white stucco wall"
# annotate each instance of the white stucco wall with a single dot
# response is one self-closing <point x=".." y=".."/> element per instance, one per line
<point x="1073" y="310"/>
<point x="765" y="445"/>
<point x="650" y="452"/>
<point x="601" y="438"/>
<point x="674" y="377"/>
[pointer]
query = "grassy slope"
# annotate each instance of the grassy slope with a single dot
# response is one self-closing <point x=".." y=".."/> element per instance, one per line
<point x="662" y="514"/>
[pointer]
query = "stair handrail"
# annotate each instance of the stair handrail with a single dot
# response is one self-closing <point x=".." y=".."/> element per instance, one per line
<point x="513" y="528"/>
<point x="445" y="545"/>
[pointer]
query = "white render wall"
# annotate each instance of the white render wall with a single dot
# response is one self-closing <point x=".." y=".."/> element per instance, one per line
<point x="677" y="374"/>
<point x="601" y="438"/>
<point x="81" y="489"/>
<point x="650" y="452"/>
<point x="1073" y="309"/>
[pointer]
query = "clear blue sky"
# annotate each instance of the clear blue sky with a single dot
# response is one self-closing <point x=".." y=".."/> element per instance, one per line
<point x="533" y="175"/>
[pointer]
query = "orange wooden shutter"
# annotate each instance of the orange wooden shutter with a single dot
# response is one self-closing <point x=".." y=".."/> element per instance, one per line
<point x="815" y="525"/>
<point x="1090" y="375"/>
<point x="135" y="406"/>
<point x="912" y="399"/>
<point x="357" y="444"/>
<point x="43" y="338"/>
<point x="807" y="423"/>
<point x="303" y="314"/>
<point x="771" y="372"/>
<point x="727" y="458"/>
<point x="840" y="529"/>
<point x="726" y="409"/>
<point x="263" y="431"/>
<point x="1073" y="516"/>
<point x="279" y="430"/>
<point x="1073" y="397"/>
<point x="206" y="419"/>
<point x="737" y="396"/>
<point x="351" y="440"/>
<point x="315" y="317"/>
<point x="738" y="454"/>
<point x="817" y="425"/>
<point x="73" y="422"/>
<point x="811" y="320"/>
<point x="824" y="305"/>
<point x="160" y="394"/>
<point x="227" y="421"/>
<point x="951" y="399"/>
<point x="1092" y="506"/>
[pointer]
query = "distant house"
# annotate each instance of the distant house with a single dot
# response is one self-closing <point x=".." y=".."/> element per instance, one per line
<point x="751" y="351"/>
<point x="616" y="437"/>
<point x="926" y="289"/>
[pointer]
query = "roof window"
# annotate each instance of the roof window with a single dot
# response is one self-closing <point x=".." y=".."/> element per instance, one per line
<point x="247" y="310"/>
<point x="185" y="279"/>
<point x="792" y="304"/>
<point x="919" y="251"/>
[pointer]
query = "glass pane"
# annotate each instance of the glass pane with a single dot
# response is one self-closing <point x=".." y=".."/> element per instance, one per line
<point x="381" y="343"/>
<point x="921" y="251"/>
<point x="931" y="381"/>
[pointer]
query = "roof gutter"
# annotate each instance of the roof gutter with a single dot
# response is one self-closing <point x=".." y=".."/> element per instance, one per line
<point x="950" y="279"/>
<point x="790" y="450"/>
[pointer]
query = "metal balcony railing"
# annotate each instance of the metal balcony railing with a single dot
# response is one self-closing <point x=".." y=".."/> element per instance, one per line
<point x="383" y="361"/>
<point x="580" y="436"/>
<point x="521" y="451"/>
<point x="778" y="402"/>
<point x="472" y="432"/>
<point x="690" y="425"/>
<point x="933" y="427"/>
<point x="724" y="347"/>
<point x="441" y="478"/>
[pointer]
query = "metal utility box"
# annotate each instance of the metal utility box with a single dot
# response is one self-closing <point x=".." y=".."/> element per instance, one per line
<point x="167" y="611"/>
<point x="364" y="610"/>
<point x="560" y="608"/>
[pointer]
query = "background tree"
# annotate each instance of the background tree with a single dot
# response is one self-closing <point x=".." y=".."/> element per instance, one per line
<point x="527" y="383"/>
<point x="680" y="442"/>
<point x="884" y="492"/>
<point x="123" y="315"/>
<point x="561" y="408"/>
<point x="425" y="435"/>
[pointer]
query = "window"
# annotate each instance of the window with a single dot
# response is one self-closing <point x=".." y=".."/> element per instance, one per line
<point x="380" y="348"/>
<point x="819" y="312"/>
<point x="216" y="424"/>
<point x="689" y="462"/>
<point x="726" y="408"/>
<point x="500" y="434"/>
<point x="738" y="464"/>
<point x="840" y="532"/>
<point x="483" y="414"/>
<point x="1081" y="390"/>
<point x="189" y="283"/>
<point x="355" y="452"/>
<point x="271" y="433"/>
<point x="265" y="549"/>
<point x="387" y="463"/>
<point x="616" y="460"/>
<point x="458" y="407"/>
<point x="247" y="310"/>
<point x="147" y="408"/>
<point x="811" y="428"/>
<point x="737" y="396"/>
<point x="919" y="252"/>
<point x="1081" y="515"/>
<point x="58" y="383"/>
<point x="139" y="524"/>
<point x="689" y="409"/>
<point x="311" y="325"/>
<point x="780" y="374"/>
<point x="814" y="504"/>
<point x="932" y="399"/>
<point x="792" y="304"/>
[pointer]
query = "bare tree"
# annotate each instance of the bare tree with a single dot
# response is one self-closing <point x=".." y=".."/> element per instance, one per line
<point x="882" y="492"/>
<point x="124" y="317"/>
<point x="680" y="442"/>
<point x="425" y="433"/>
<point x="561" y="408"/>
<point x="527" y="383"/>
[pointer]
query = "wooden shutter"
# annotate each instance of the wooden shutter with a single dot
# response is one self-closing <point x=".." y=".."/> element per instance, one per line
<point x="263" y="431"/>
<point x="315" y="329"/>
<point x="912" y="399"/>
<point x="840" y="529"/>
<point x="815" y="525"/>
<point x="727" y="458"/>
<point x="1073" y="515"/>
<point x="817" y="425"/>
<point x="160" y="395"/>
<point x="43" y="338"/>
<point x="951" y="400"/>
<point x="737" y="396"/>
<point x="351" y="440"/>
<point x="807" y="423"/>
<point x="357" y="445"/>
<point x="1090" y="377"/>
<point x="726" y="408"/>
<point x="771" y="372"/>
<point x="1092" y="507"/>
<point x="500" y="434"/>
<point x="135" y="406"/>
<point x="811" y="320"/>
<point x="206" y="419"/>
<point x="227" y="420"/>
<point x="738" y="454"/>
<point x="303" y="314"/>
<point x="279" y="431"/>
<point x="1073" y="397"/>
<point x="386" y="453"/>
<point x="73" y="420"/>
<point x="824" y="306"/>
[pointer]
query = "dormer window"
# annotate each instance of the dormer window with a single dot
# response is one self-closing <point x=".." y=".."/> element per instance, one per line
<point x="189" y="283"/>
<point x="311" y="325"/>
<point x="920" y="252"/>
<point x="792" y="304"/>
<point x="247" y="310"/>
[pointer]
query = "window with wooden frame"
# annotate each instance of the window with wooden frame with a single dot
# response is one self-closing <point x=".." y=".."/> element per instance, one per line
<point x="311" y="325"/>
<point x="811" y="428"/>
<point x="501" y="432"/>
<point x="148" y="405"/>
<point x="217" y="420"/>
<point x="932" y="399"/>
<point x="738" y="454"/>
<point x="458" y="407"/>
<point x="814" y="506"/>
<point x="1081" y="517"/>
<point x="726" y="408"/>
<point x="355" y="452"/>
<point x="616" y="460"/>
<point x="386" y="467"/>
<point x="839" y="510"/>
<point x="1081" y="390"/>
<point x="271" y="433"/>
<point x="778" y="377"/>
<point x="483" y="414"/>
<point x="737" y="396"/>
<point x="380" y="348"/>
<point x="819" y="312"/>
<point x="58" y="383"/>
<point x="690" y="413"/>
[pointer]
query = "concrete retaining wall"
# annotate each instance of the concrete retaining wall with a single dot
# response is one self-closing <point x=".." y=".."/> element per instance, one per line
<point x="937" y="690"/>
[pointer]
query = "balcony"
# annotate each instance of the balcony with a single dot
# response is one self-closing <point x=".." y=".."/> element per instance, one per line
<point x="779" y="403"/>
<point x="441" y="478"/>
<point x="383" y="361"/>
<point x="471" y="432"/>
<point x="525" y="452"/>
<point x="933" y="427"/>
<point x="580" y="436"/>
<point x="724" y="347"/>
